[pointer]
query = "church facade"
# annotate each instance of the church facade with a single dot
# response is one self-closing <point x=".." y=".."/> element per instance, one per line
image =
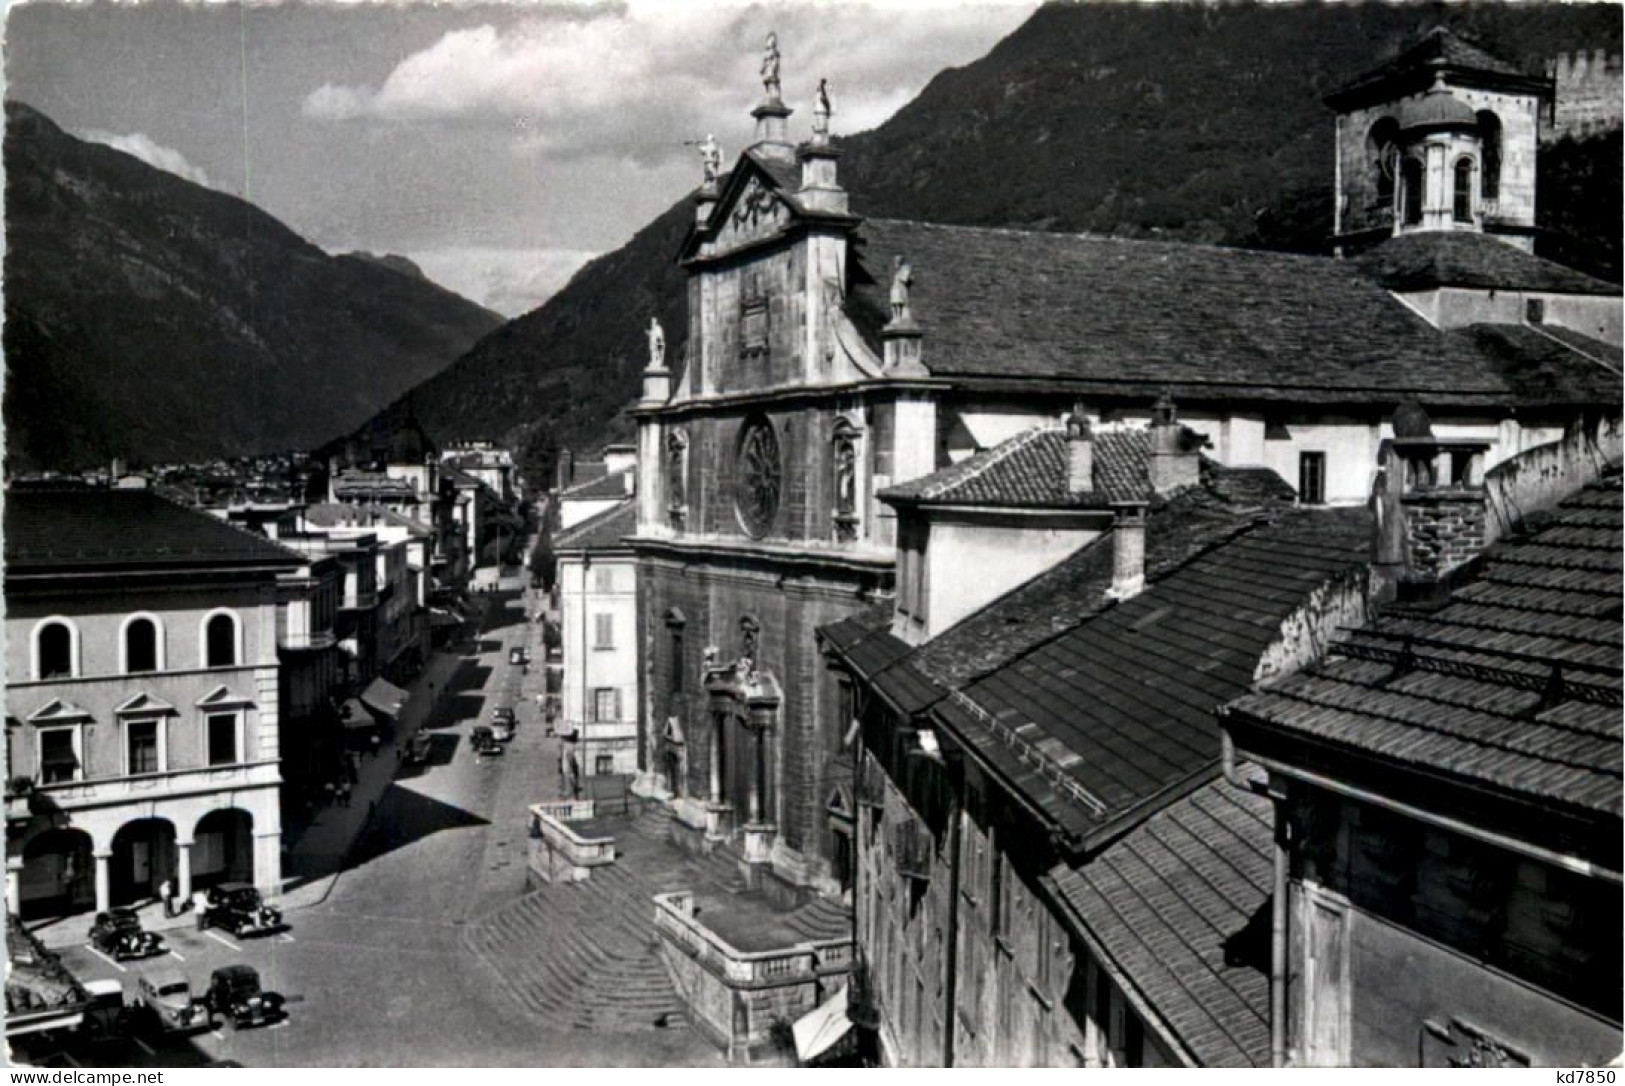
<point x="829" y="357"/>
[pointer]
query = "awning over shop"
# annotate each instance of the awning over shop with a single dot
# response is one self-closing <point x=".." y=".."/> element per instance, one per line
<point x="385" y="696"/>
<point x="818" y="1030"/>
<point x="439" y="616"/>
<point x="352" y="714"/>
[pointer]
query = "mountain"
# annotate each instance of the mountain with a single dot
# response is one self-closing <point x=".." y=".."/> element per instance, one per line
<point x="1186" y="121"/>
<point x="154" y="319"/>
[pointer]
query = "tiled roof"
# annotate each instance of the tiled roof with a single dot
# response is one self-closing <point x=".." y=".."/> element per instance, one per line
<point x="1125" y="702"/>
<point x="1030" y="469"/>
<point x="1181" y="905"/>
<point x="123" y="528"/>
<point x="1459" y="258"/>
<point x="1439" y="49"/>
<point x="605" y="531"/>
<point x="1075" y="589"/>
<point x="1131" y="318"/>
<point x="1550" y="364"/>
<point x="603" y="488"/>
<point x="1477" y="696"/>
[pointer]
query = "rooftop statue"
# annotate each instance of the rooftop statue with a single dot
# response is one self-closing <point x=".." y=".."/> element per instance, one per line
<point x="657" y="344"/>
<point x="711" y="158"/>
<point x="901" y="278"/>
<point x="822" y="108"/>
<point x="770" y="66"/>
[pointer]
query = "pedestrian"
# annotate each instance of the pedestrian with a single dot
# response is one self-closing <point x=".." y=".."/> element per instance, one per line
<point x="332" y="792"/>
<point x="372" y="744"/>
<point x="344" y="794"/>
<point x="166" y="892"/>
<point x="199" y="906"/>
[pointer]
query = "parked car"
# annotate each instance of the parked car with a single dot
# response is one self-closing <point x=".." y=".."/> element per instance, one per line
<point x="518" y="655"/>
<point x="418" y="747"/>
<point x="484" y="741"/>
<point x="235" y="995"/>
<point x="106" y="1018"/>
<point x="166" y="998"/>
<point x="118" y="934"/>
<point x="504" y="712"/>
<point x="238" y="907"/>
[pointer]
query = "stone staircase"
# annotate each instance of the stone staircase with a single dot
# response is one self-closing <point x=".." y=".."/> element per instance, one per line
<point x="586" y="954"/>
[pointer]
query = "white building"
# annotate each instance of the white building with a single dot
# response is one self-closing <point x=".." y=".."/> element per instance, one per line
<point x="597" y="577"/>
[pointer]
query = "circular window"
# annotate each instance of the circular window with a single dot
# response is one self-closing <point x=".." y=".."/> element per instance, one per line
<point x="758" y="479"/>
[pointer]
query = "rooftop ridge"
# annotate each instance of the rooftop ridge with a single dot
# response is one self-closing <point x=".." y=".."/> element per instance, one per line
<point x="1118" y="239"/>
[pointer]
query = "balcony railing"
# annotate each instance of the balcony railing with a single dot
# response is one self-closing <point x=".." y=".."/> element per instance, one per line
<point x="308" y="642"/>
<point x="149" y="785"/>
<point x="675" y="920"/>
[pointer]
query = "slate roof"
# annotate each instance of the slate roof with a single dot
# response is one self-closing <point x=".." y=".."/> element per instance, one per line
<point x="1125" y="702"/>
<point x="1549" y="364"/>
<point x="1181" y="906"/>
<point x="120" y="529"/>
<point x="1030" y="470"/>
<point x="1452" y="258"/>
<point x="1131" y="318"/>
<point x="1476" y="699"/>
<point x="1439" y="50"/>
<point x="604" y="531"/>
<point x="602" y="488"/>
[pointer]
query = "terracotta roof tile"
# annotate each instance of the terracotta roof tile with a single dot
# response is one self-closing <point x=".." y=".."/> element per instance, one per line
<point x="605" y="531"/>
<point x="1030" y="469"/>
<point x="616" y="485"/>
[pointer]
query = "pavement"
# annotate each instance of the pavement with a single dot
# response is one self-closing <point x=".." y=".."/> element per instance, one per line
<point x="375" y="961"/>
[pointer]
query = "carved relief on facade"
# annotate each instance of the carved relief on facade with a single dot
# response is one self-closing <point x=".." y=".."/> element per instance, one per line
<point x="757" y="213"/>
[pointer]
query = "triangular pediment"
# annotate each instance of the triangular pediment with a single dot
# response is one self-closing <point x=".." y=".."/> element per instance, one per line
<point x="839" y="801"/>
<point x="143" y="703"/>
<point x="756" y="203"/>
<point x="58" y="711"/>
<point x="221" y="697"/>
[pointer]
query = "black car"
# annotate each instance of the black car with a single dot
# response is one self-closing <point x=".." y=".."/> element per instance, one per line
<point x="238" y="907"/>
<point x="235" y="994"/>
<point x="484" y="741"/>
<point x="118" y="934"/>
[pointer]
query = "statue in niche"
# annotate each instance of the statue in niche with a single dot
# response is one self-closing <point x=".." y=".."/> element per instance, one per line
<point x="902" y="277"/>
<point x="749" y="635"/>
<point x="846" y="473"/>
<point x="770" y="67"/>
<point x="657" y="344"/>
<point x="822" y="108"/>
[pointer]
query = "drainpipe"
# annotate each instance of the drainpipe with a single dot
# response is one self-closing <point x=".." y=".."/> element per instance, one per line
<point x="1278" y="901"/>
<point x="950" y="988"/>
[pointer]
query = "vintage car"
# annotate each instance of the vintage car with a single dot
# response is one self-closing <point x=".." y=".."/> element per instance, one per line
<point x="504" y="714"/>
<point x="418" y="747"/>
<point x="166" y="998"/>
<point x="238" y="907"/>
<point x="117" y="933"/>
<point x="235" y="995"/>
<point x="484" y="741"/>
<point x="518" y="655"/>
<point x="106" y="1019"/>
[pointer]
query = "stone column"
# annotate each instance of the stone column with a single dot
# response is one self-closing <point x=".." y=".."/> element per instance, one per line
<point x="183" y="870"/>
<point x="718" y="724"/>
<point x="104" y="881"/>
<point x="758" y="777"/>
<point x="268" y="863"/>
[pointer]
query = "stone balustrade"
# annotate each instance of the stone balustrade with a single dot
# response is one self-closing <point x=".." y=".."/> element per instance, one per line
<point x="675" y="920"/>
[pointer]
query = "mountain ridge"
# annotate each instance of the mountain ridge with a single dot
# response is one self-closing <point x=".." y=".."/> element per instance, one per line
<point x="154" y="319"/>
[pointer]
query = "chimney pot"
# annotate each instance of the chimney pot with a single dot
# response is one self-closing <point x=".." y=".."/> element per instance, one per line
<point x="1080" y="454"/>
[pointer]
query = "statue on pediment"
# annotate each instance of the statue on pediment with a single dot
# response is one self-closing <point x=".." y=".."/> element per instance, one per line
<point x="823" y="106"/>
<point x="902" y="277"/>
<point x="770" y="67"/>
<point x="657" y="344"/>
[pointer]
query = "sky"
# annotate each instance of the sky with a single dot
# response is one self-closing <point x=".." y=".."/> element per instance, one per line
<point x="499" y="146"/>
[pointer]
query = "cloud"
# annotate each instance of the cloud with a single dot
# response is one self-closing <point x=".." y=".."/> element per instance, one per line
<point x="510" y="281"/>
<point x="151" y="152"/>
<point x="633" y="82"/>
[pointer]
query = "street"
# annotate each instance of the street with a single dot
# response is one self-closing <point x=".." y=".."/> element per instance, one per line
<point x="377" y="972"/>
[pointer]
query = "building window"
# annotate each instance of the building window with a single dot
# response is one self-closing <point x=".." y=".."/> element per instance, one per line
<point x="58" y="755"/>
<point x="220" y="641"/>
<point x="603" y="580"/>
<point x="141" y="754"/>
<point x="1382" y="155"/>
<point x="758" y="477"/>
<point x="606" y="705"/>
<point x="1312" y="478"/>
<point x="1463" y="206"/>
<point x="675" y="679"/>
<point x="222" y="738"/>
<point x="1535" y="310"/>
<point x="1489" y="132"/>
<point x="604" y="764"/>
<point x="140" y="645"/>
<point x="603" y="627"/>
<point x="1411" y="196"/>
<point x="55" y="645"/>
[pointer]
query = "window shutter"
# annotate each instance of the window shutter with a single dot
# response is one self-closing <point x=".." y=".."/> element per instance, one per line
<point x="616" y="702"/>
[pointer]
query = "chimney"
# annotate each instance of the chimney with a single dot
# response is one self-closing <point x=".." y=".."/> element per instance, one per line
<point x="1431" y="504"/>
<point x="1128" y="551"/>
<point x="1173" y="466"/>
<point x="567" y="468"/>
<point x="1080" y="454"/>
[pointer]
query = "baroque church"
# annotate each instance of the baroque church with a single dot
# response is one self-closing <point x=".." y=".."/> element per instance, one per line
<point x="830" y="357"/>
